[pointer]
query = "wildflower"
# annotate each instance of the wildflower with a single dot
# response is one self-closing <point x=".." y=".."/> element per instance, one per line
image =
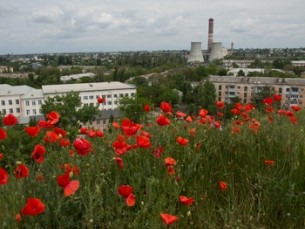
<point x="99" y="133"/>
<point x="166" y="107"/>
<point x="220" y="104"/>
<point x="129" y="128"/>
<point x="60" y="131"/>
<point x="100" y="100"/>
<point x="182" y="141"/>
<point x="169" y="161"/>
<point x="222" y="185"/>
<point x="32" y="130"/>
<point x="34" y="206"/>
<point x="269" y="162"/>
<point x="157" y="152"/>
<point x="168" y="219"/>
<point x="162" y="120"/>
<point x="203" y="113"/>
<point x="64" y="142"/>
<point x="53" y="117"/>
<point x="277" y="97"/>
<point x="124" y="190"/>
<point x="170" y="170"/>
<point x="70" y="187"/>
<point x="51" y="137"/>
<point x="3" y="176"/>
<point x="295" y="108"/>
<point x="188" y="119"/>
<point x="268" y="101"/>
<point x="3" y="134"/>
<point x="21" y="171"/>
<point x="130" y="200"/>
<point x="147" y="108"/>
<point x="143" y="141"/>
<point x="18" y="218"/>
<point x="82" y="146"/>
<point x="180" y="114"/>
<point x="119" y="161"/>
<point x="38" y="153"/>
<point x="186" y="200"/>
<point x="10" y="120"/>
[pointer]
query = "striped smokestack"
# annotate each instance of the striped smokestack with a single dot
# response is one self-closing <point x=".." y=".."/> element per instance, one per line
<point x="210" y="35"/>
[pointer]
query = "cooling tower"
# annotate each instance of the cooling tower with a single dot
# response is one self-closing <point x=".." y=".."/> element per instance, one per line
<point x="195" y="55"/>
<point x="216" y="51"/>
<point x="210" y="34"/>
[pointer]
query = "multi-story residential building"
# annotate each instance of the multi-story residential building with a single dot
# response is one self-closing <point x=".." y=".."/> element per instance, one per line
<point x="298" y="63"/>
<point x="291" y="89"/>
<point x="25" y="102"/>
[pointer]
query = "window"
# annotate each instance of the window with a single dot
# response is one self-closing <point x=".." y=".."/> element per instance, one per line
<point x="27" y="112"/>
<point x="245" y="94"/>
<point x="245" y="88"/>
<point x="232" y="93"/>
<point x="10" y="102"/>
<point x="40" y="111"/>
<point x="126" y="94"/>
<point x="27" y="103"/>
<point x="294" y="89"/>
<point x="115" y="95"/>
<point x="219" y="93"/>
<point x="238" y="87"/>
<point x="287" y="89"/>
<point x="11" y="111"/>
<point x="33" y="103"/>
<point x="2" y="102"/>
<point x="280" y="90"/>
<point x="115" y="102"/>
<point x="219" y="87"/>
<point x="85" y="97"/>
<point x="17" y="101"/>
<point x="109" y="96"/>
<point x="132" y="94"/>
<point x="109" y="103"/>
<point x="39" y="102"/>
<point x="91" y="97"/>
<point x="91" y="104"/>
<point x="121" y="95"/>
<point x="3" y="111"/>
<point x="34" y="111"/>
<point x="18" y="110"/>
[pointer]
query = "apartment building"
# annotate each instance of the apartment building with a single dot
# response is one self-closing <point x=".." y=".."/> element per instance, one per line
<point x="25" y="102"/>
<point x="228" y="87"/>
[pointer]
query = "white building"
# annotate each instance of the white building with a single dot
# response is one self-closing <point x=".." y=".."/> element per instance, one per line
<point x="24" y="101"/>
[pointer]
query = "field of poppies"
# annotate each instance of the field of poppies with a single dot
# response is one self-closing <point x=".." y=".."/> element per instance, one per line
<point x="170" y="171"/>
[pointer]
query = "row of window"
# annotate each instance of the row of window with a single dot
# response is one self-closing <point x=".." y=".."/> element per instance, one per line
<point x="34" y="112"/>
<point x="34" y="102"/>
<point x="108" y="96"/>
<point x="292" y="89"/>
<point x="9" y="102"/>
<point x="107" y="103"/>
<point x="10" y="111"/>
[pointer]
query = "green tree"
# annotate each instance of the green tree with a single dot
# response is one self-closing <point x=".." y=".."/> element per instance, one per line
<point x="241" y="73"/>
<point x="69" y="108"/>
<point x="204" y="95"/>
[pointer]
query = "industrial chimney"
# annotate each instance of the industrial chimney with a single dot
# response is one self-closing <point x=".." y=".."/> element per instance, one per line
<point x="195" y="55"/>
<point x="210" y="34"/>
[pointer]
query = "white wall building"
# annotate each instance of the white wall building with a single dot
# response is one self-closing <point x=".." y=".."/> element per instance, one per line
<point x="25" y="102"/>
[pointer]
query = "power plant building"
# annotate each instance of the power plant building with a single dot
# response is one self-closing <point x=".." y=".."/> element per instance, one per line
<point x="195" y="55"/>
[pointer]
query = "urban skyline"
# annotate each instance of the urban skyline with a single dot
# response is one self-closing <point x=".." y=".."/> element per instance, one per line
<point x="97" y="26"/>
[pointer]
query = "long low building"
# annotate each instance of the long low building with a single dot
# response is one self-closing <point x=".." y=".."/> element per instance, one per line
<point x="229" y="87"/>
<point x="24" y="101"/>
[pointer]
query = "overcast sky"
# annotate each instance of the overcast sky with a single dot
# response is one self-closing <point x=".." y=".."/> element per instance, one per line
<point x="47" y="26"/>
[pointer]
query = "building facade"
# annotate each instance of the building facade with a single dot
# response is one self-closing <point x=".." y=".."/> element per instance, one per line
<point x="24" y="101"/>
<point x="227" y="88"/>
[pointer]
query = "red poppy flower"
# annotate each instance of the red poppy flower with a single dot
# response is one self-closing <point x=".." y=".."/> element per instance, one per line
<point x="32" y="130"/>
<point x="168" y="219"/>
<point x="235" y="130"/>
<point x="73" y="169"/>
<point x="186" y="200"/>
<point x="129" y="128"/>
<point x="34" y="206"/>
<point x="296" y="108"/>
<point x="188" y="119"/>
<point x="82" y="146"/>
<point x="147" y="108"/>
<point x="180" y="114"/>
<point x="269" y="162"/>
<point x="120" y="162"/>
<point x="10" y="120"/>
<point x="143" y="141"/>
<point x="44" y="124"/>
<point x="53" y="117"/>
<point x="182" y="141"/>
<point x="269" y="109"/>
<point x="170" y="170"/>
<point x="162" y="120"/>
<point x="220" y="104"/>
<point x="169" y="161"/>
<point x="277" y="97"/>
<point x="1" y="156"/>
<point x="116" y="125"/>
<point x="268" y="101"/>
<point x="293" y="119"/>
<point x="222" y="185"/>
<point x="219" y="114"/>
<point x="21" y="171"/>
<point x="217" y="124"/>
<point x="3" y="176"/>
<point x="193" y="132"/>
<point x="157" y="152"/>
<point x="203" y="113"/>
<point x="125" y="190"/>
<point x="70" y="187"/>
<point x="3" y="134"/>
<point x="99" y="133"/>
<point x="166" y="107"/>
<point x="64" y="142"/>
<point x="235" y="111"/>
<point x="18" y="218"/>
<point x="100" y="99"/>
<point x="60" y="131"/>
<point x="91" y="133"/>
<point x="83" y="130"/>
<point x="130" y="200"/>
<point x="51" y="137"/>
<point x="38" y="153"/>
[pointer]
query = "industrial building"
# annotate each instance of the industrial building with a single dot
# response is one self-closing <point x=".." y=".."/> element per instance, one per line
<point x="25" y="102"/>
<point x="214" y="51"/>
